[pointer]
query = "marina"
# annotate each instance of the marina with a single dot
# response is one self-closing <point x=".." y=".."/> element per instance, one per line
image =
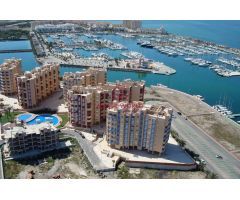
<point x="189" y="78"/>
<point x="132" y="55"/>
<point x="198" y="61"/>
<point x="223" y="110"/>
<point x="193" y="51"/>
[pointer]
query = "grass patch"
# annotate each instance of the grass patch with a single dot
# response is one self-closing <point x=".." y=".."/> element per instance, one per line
<point x="13" y="34"/>
<point x="65" y="119"/>
<point x="12" y="169"/>
<point x="221" y="134"/>
<point x="9" y="117"/>
<point x="123" y="172"/>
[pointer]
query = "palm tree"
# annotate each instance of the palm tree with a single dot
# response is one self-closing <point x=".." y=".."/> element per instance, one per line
<point x="1" y="121"/>
<point x="113" y="161"/>
<point x="6" y="112"/>
<point x="9" y="108"/>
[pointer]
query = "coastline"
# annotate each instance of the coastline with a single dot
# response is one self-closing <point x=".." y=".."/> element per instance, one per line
<point x="220" y="128"/>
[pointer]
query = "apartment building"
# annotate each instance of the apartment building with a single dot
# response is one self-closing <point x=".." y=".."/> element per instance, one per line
<point x="37" y="85"/>
<point x="132" y="24"/>
<point x="138" y="126"/>
<point x="9" y="70"/>
<point x="88" y="105"/>
<point x="91" y="77"/>
<point x="22" y="139"/>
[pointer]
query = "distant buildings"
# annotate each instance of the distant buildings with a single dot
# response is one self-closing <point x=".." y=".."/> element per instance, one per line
<point x="88" y="105"/>
<point x="90" y="77"/>
<point x="135" y="126"/>
<point x="132" y="24"/>
<point x="9" y="70"/>
<point x="54" y="28"/>
<point x="38" y="47"/>
<point x="22" y="139"/>
<point x="37" y="85"/>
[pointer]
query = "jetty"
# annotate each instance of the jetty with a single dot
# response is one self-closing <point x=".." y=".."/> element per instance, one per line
<point x="157" y="68"/>
<point x="15" y="50"/>
<point x="234" y="115"/>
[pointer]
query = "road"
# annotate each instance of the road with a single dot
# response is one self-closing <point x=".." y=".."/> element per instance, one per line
<point x="88" y="150"/>
<point x="207" y="148"/>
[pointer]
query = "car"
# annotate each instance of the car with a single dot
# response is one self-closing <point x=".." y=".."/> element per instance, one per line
<point x="218" y="156"/>
<point x="179" y="113"/>
<point x="203" y="162"/>
<point x="77" y="131"/>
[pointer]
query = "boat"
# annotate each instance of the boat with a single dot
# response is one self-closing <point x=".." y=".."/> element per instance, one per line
<point x="161" y="85"/>
<point x="199" y="97"/>
<point x="224" y="111"/>
<point x="147" y="45"/>
<point x="132" y="55"/>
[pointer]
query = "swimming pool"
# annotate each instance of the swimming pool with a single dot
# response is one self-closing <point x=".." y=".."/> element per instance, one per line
<point x="24" y="117"/>
<point x="32" y="119"/>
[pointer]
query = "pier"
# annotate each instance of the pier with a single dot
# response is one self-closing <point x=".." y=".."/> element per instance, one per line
<point x="234" y="115"/>
<point x="15" y="50"/>
<point x="160" y="68"/>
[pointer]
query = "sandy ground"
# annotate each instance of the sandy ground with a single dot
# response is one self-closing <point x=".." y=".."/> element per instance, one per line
<point x="73" y="166"/>
<point x="45" y="171"/>
<point x="212" y="122"/>
<point x="54" y="102"/>
<point x="10" y="101"/>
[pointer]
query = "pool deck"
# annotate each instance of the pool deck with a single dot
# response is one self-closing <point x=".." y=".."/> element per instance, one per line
<point x="33" y="116"/>
<point x="28" y="119"/>
<point x="59" y="119"/>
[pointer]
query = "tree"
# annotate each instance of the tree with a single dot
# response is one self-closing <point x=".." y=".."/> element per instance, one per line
<point x="123" y="173"/>
<point x="1" y="115"/>
<point x="113" y="161"/>
<point x="9" y="108"/>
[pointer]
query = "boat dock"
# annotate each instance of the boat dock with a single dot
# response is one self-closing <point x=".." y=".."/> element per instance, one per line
<point x="234" y="115"/>
<point x="157" y="68"/>
<point x="15" y="50"/>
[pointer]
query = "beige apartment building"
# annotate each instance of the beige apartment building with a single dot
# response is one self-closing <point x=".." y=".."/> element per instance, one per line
<point x="88" y="105"/>
<point x="9" y="70"/>
<point x="37" y="85"/>
<point x="132" y="24"/>
<point x="90" y="77"/>
<point x="138" y="126"/>
<point x="22" y="139"/>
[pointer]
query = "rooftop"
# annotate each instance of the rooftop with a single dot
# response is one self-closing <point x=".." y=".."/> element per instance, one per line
<point x="10" y="63"/>
<point x="137" y="106"/>
<point x="28" y="129"/>
<point x="82" y="73"/>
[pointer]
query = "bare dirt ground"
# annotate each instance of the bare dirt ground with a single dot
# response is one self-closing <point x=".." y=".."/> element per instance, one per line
<point x="161" y="174"/>
<point x="138" y="173"/>
<point x="224" y="130"/>
<point x="53" y="102"/>
<point x="75" y="166"/>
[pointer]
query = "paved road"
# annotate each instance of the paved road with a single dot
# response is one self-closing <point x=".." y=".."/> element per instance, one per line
<point x="207" y="148"/>
<point x="88" y="150"/>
